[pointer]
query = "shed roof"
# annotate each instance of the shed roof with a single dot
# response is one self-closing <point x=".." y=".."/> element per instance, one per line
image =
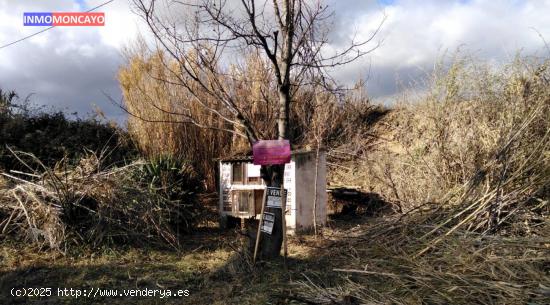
<point x="249" y="158"/>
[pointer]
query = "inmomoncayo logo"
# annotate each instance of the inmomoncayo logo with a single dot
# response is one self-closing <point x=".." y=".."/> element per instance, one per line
<point x="64" y="19"/>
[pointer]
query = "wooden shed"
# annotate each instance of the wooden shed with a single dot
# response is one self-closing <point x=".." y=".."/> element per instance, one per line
<point x="241" y="189"/>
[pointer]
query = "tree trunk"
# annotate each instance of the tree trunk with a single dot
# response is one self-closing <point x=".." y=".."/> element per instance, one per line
<point x="270" y="245"/>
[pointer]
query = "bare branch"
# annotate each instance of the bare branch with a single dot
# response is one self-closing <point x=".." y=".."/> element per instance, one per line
<point x="291" y="37"/>
<point x="188" y="121"/>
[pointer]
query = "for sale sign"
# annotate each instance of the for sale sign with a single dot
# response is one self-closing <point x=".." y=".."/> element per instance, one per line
<point x="268" y="222"/>
<point x="274" y="197"/>
<point x="271" y="152"/>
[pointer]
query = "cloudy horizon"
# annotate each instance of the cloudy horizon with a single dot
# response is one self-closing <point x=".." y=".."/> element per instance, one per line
<point x="71" y="69"/>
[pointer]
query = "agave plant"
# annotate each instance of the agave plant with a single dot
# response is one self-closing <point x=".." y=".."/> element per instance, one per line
<point x="173" y="177"/>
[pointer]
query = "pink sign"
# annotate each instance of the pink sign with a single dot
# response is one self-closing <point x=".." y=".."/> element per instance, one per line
<point x="269" y="152"/>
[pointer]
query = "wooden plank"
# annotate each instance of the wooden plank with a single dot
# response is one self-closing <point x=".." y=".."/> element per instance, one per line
<point x="259" y="227"/>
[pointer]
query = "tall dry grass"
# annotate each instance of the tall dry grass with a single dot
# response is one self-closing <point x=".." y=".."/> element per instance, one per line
<point x="475" y="120"/>
<point x="156" y="107"/>
<point x="376" y="264"/>
<point x="157" y="101"/>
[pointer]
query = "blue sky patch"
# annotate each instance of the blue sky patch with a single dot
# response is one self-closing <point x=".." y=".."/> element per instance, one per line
<point x="387" y="2"/>
<point x="81" y="4"/>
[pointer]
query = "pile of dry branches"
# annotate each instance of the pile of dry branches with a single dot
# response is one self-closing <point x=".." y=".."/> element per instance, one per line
<point x="58" y="207"/>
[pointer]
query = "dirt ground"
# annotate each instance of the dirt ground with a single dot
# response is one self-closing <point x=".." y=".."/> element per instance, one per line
<point x="208" y="267"/>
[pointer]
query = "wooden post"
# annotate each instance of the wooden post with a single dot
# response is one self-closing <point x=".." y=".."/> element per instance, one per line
<point x="283" y="207"/>
<point x="259" y="226"/>
<point x="315" y="191"/>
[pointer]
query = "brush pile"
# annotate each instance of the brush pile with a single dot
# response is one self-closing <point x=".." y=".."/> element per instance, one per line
<point x="87" y="204"/>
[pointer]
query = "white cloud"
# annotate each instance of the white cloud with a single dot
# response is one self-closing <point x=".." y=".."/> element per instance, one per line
<point x="121" y="25"/>
<point x="67" y="67"/>
<point x="70" y="67"/>
<point x="416" y="33"/>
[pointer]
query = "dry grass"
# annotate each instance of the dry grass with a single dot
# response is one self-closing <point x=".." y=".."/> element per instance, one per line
<point x="469" y="168"/>
<point x="157" y="106"/>
<point x="377" y="264"/>
<point x="475" y="121"/>
<point x="206" y="265"/>
<point x="115" y="269"/>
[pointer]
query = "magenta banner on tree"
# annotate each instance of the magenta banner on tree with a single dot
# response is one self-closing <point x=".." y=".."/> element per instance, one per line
<point x="271" y="152"/>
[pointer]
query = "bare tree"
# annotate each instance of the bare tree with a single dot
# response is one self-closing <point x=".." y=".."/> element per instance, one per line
<point x="204" y="36"/>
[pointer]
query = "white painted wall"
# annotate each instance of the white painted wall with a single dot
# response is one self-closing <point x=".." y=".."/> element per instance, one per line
<point x="305" y="184"/>
<point x="225" y="184"/>
<point x="290" y="185"/>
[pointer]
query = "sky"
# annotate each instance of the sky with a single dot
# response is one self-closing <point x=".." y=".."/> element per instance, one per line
<point x="72" y="68"/>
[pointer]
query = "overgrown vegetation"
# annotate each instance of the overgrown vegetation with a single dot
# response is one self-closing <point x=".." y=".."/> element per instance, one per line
<point x="469" y="166"/>
<point x="475" y="121"/>
<point x="79" y="182"/>
<point x="466" y="170"/>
